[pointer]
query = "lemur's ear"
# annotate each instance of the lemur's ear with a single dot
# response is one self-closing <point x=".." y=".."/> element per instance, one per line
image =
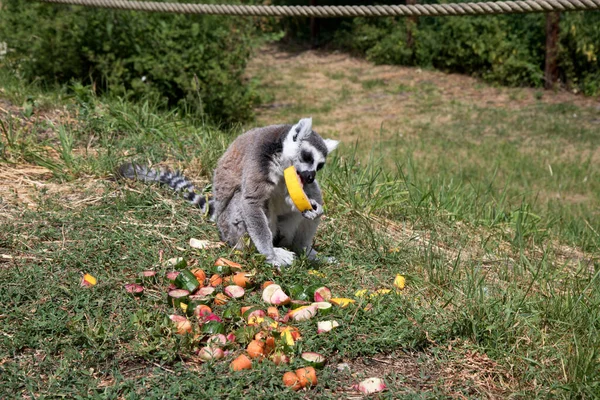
<point x="331" y="145"/>
<point x="302" y="129"/>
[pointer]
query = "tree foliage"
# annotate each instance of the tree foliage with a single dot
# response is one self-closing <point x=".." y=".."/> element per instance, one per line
<point x="192" y="61"/>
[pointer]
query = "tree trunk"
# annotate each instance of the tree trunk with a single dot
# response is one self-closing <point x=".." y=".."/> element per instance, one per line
<point x="314" y="26"/>
<point x="412" y="22"/>
<point x="551" y="68"/>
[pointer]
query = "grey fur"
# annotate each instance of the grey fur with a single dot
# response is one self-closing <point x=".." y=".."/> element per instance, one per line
<point x="249" y="192"/>
<point x="175" y="180"/>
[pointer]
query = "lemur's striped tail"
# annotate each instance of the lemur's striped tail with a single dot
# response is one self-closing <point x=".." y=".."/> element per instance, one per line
<point x="175" y="180"/>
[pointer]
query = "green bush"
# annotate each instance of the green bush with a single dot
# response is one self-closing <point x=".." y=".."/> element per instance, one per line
<point x="497" y="48"/>
<point x="579" y="56"/>
<point x="195" y="62"/>
<point x="508" y="49"/>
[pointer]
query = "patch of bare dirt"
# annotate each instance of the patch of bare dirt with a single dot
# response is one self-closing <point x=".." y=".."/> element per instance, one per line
<point x="14" y="114"/>
<point x="22" y="185"/>
<point x="327" y="85"/>
<point x="457" y="373"/>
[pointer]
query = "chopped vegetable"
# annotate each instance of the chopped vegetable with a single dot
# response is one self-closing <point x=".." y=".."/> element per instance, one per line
<point x="178" y="296"/>
<point x="326" y="326"/>
<point x="171" y="276"/>
<point x="288" y="338"/>
<point x="269" y="345"/>
<point x="213" y="327"/>
<point x="294" y="304"/>
<point x="371" y="385"/>
<point x="186" y="280"/>
<point x="267" y="283"/>
<point x="204" y="244"/>
<point x="307" y="376"/>
<point x="134" y="289"/>
<point x="323" y="307"/>
<point x="221" y="269"/>
<point x="322" y="294"/>
<point x="176" y="262"/>
<point x="255" y="316"/>
<point x="200" y="275"/>
<point x="88" y="280"/>
<point x="211" y="353"/>
<point x="231" y="264"/>
<point x="218" y="340"/>
<point x="279" y="298"/>
<point x="399" y="282"/>
<point x="246" y="310"/>
<point x="256" y="349"/>
<point x="273" y="312"/>
<point x="298" y="292"/>
<point x="148" y="276"/>
<point x="197" y="300"/>
<point x="279" y="357"/>
<point x="221" y="299"/>
<point x="342" y="302"/>
<point x="211" y="317"/>
<point x="182" y="324"/>
<point x="215" y="280"/>
<point x="240" y="363"/>
<point x="205" y="291"/>
<point x="234" y="291"/>
<point x="303" y="313"/>
<point x="242" y="279"/>
<point x="291" y="380"/>
<point x="269" y="291"/>
<point x="314" y="359"/>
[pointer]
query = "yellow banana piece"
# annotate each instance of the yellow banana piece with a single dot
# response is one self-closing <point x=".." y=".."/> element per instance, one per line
<point x="295" y="189"/>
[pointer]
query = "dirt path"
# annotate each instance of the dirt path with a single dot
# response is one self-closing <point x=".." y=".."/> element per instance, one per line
<point x="356" y="98"/>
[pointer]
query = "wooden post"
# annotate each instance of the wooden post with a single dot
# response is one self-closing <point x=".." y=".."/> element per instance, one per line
<point x="412" y="22"/>
<point x="551" y="67"/>
<point x="314" y="26"/>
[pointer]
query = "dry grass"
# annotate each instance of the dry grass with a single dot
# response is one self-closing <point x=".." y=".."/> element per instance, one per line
<point x="332" y="86"/>
<point x="21" y="185"/>
<point x="455" y="371"/>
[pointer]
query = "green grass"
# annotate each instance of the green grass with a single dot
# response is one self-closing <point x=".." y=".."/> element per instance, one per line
<point x="372" y="83"/>
<point x="494" y="305"/>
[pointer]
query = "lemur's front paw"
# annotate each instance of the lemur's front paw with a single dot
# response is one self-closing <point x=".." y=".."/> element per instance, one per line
<point x="316" y="212"/>
<point x="281" y="257"/>
<point x="290" y="203"/>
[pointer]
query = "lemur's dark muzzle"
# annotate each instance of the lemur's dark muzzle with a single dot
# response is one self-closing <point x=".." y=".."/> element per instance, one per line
<point x="307" y="176"/>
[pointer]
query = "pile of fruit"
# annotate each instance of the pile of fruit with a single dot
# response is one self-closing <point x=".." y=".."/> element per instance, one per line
<point x="215" y="308"/>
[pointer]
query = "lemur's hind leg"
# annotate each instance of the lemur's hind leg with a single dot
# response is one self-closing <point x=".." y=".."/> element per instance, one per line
<point x="230" y="222"/>
<point x="304" y="238"/>
<point x="297" y="233"/>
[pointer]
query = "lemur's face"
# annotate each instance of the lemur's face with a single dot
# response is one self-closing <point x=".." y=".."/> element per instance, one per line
<point x="313" y="152"/>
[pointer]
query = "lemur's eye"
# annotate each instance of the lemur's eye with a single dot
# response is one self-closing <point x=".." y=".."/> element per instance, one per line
<point x="320" y="166"/>
<point x="307" y="157"/>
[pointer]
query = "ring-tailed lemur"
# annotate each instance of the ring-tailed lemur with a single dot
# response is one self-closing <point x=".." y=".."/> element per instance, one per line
<point x="249" y="192"/>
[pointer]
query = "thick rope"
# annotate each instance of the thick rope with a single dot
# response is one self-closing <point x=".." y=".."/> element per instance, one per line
<point x="500" y="7"/>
